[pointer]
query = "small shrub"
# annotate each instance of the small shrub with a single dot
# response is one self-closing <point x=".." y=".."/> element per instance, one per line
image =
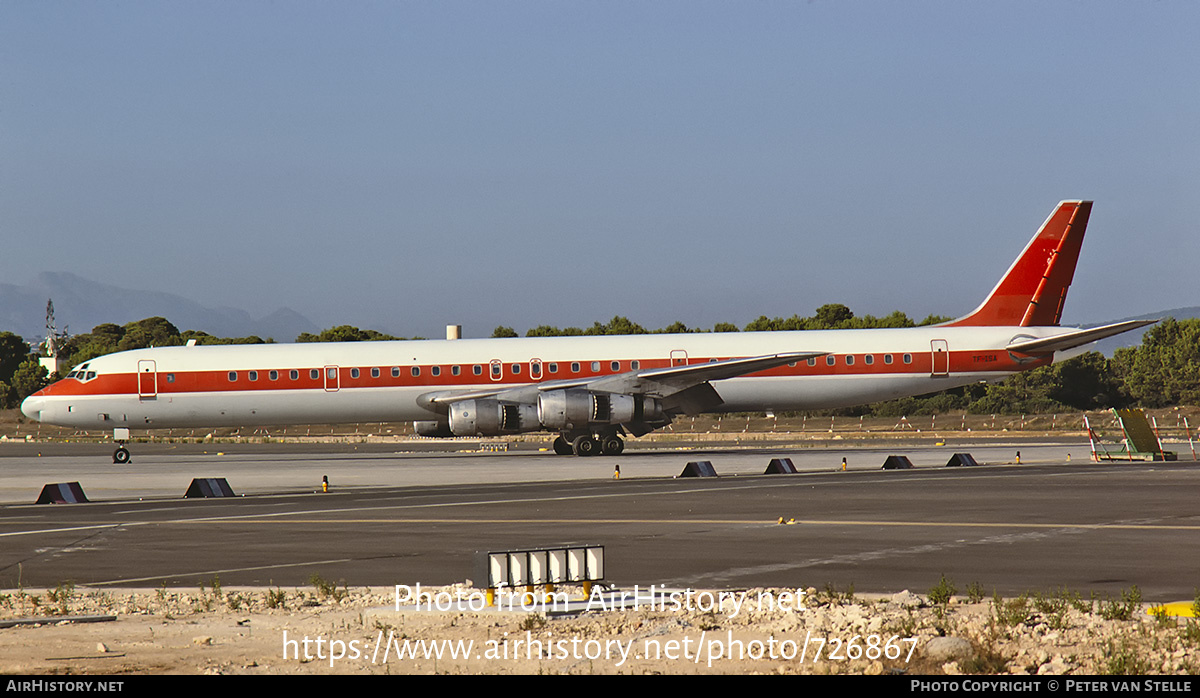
<point x="942" y="593"/>
<point x="326" y="589"/>
<point x="276" y="598"/>
<point x="1120" y="658"/>
<point x="1131" y="599"/>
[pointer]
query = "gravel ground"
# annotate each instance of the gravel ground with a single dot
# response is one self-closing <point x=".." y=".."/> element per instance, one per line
<point x="329" y="630"/>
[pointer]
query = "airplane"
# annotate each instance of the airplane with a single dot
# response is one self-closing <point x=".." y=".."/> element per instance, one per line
<point x="591" y="390"/>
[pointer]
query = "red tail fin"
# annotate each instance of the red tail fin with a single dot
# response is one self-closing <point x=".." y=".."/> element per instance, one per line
<point x="1034" y="289"/>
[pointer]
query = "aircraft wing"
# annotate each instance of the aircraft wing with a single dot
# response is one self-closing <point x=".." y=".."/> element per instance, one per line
<point x="1070" y="340"/>
<point x="676" y="378"/>
<point x="663" y="382"/>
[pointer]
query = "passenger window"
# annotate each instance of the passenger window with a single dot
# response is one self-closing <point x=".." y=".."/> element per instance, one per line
<point x="477" y="370"/>
<point x="455" y="370"/>
<point x="170" y="377"/>
<point x="254" y="375"/>
<point x="869" y="359"/>
<point x="232" y="376"/>
<point x="535" y="370"/>
<point x="574" y="367"/>
<point x="331" y="374"/>
<point x="516" y="369"/>
<point x="395" y="371"/>
<point x="374" y="373"/>
<point x="273" y="375"/>
<point x="354" y="373"/>
<point x="812" y="362"/>
<point x="314" y="374"/>
<point x="850" y="359"/>
<point x="887" y="359"/>
<point x="908" y="358"/>
<point x="595" y="366"/>
<point x="496" y="370"/>
<point x="553" y="367"/>
<point x="294" y="374"/>
<point x="616" y="365"/>
<point x="416" y="370"/>
<point x="635" y="364"/>
<point x="830" y="360"/>
<point x="435" y="370"/>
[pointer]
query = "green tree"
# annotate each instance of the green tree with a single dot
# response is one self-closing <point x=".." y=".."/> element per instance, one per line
<point x="1165" y="370"/>
<point x="29" y="378"/>
<point x="345" y="333"/>
<point x="831" y="316"/>
<point x="551" y="331"/>
<point x="504" y="332"/>
<point x="151" y="332"/>
<point x="618" y="325"/>
<point x="13" y="351"/>
<point x="675" y="328"/>
<point x="1088" y="382"/>
<point x="203" y="338"/>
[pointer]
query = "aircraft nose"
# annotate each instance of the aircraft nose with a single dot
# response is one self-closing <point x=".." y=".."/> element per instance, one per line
<point x="32" y="407"/>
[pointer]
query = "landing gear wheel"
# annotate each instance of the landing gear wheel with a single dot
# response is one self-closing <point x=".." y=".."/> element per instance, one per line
<point x="585" y="446"/>
<point x="612" y="445"/>
<point x="121" y="455"/>
<point x="562" y="447"/>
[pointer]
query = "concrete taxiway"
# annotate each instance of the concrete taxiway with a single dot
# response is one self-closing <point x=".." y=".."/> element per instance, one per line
<point x="394" y="518"/>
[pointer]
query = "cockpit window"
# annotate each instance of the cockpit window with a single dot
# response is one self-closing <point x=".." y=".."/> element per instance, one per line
<point x="81" y="375"/>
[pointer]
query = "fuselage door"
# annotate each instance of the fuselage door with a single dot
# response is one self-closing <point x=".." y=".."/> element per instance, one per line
<point x="497" y="369"/>
<point x="678" y="357"/>
<point x="147" y="380"/>
<point x="535" y="369"/>
<point x="331" y="379"/>
<point x="941" y="357"/>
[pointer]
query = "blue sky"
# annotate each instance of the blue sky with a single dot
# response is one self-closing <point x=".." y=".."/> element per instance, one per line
<point x="402" y="165"/>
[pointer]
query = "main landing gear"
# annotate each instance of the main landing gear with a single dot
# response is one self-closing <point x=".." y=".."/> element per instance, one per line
<point x="589" y="445"/>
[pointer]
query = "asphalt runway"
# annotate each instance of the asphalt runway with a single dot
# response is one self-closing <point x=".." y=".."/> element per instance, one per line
<point x="420" y="518"/>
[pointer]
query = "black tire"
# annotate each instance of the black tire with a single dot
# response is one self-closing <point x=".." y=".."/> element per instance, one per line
<point x="612" y="445"/>
<point x="586" y="446"/>
<point x="121" y="455"/>
<point x="563" y="447"/>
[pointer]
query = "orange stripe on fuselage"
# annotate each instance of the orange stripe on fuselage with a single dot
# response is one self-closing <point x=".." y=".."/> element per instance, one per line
<point x="218" y="381"/>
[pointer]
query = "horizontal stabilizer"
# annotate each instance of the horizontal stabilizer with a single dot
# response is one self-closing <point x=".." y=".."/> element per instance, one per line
<point x="1074" y="339"/>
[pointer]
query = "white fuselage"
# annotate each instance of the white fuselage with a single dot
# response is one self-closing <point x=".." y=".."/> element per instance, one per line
<point x="286" y="384"/>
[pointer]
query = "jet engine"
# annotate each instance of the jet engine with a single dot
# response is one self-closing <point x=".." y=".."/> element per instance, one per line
<point x="491" y="417"/>
<point x="572" y="409"/>
<point x="432" y="428"/>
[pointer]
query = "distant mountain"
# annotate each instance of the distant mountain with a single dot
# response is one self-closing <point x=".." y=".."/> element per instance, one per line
<point x="82" y="304"/>
<point x="1134" y="338"/>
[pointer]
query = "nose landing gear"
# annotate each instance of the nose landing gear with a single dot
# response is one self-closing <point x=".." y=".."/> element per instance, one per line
<point x="120" y="436"/>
